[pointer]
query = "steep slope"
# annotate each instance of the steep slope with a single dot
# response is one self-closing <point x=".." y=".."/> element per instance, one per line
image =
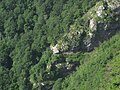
<point x="71" y="28"/>
<point x="100" y="23"/>
<point x="100" y="71"/>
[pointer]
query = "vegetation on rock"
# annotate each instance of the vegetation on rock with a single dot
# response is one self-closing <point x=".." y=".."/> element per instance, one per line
<point x="29" y="29"/>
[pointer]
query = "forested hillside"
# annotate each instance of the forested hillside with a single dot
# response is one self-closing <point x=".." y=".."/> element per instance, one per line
<point x="59" y="45"/>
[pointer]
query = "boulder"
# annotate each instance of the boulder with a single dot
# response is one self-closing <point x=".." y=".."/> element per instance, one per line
<point x="93" y="25"/>
<point x="55" y="49"/>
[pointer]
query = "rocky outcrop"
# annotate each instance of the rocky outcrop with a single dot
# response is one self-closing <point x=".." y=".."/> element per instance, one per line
<point x="57" y="69"/>
<point x="64" y="67"/>
<point x="113" y="4"/>
<point x="102" y="23"/>
<point x="55" y="49"/>
<point x="93" y="25"/>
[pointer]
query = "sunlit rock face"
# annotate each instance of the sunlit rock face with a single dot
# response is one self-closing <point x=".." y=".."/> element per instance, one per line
<point x="100" y="27"/>
<point x="54" y="49"/>
<point x="100" y="11"/>
<point x="93" y="25"/>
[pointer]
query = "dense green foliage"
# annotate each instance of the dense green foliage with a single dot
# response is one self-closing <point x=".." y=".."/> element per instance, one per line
<point x="29" y="27"/>
<point x="100" y="69"/>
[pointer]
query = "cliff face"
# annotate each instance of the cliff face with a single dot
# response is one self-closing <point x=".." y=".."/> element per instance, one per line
<point x="100" y="23"/>
<point x="103" y="23"/>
